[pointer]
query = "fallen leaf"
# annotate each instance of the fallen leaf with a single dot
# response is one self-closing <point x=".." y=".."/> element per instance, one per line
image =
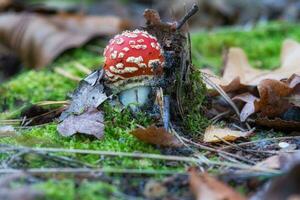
<point x="215" y="134"/>
<point x="89" y="94"/>
<point x="273" y="98"/>
<point x="277" y="123"/>
<point x="90" y="122"/>
<point x="237" y="65"/>
<point x="205" y="187"/>
<point x="156" y="135"/>
<point x="37" y="47"/>
<point x="271" y="162"/>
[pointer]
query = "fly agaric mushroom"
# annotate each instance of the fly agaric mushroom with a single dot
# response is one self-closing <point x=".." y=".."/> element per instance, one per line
<point x="132" y="61"/>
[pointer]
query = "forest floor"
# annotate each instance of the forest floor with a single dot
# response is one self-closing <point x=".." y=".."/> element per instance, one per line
<point x="128" y="175"/>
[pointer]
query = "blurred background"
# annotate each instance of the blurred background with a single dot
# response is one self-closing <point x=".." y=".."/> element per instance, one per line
<point x="33" y="33"/>
<point x="212" y="12"/>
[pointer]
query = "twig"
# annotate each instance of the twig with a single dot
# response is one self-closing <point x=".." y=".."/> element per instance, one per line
<point x="222" y="93"/>
<point x="46" y="103"/>
<point x="82" y="68"/>
<point x="141" y="155"/>
<point x="263" y="140"/>
<point x="67" y="74"/>
<point x="217" y="150"/>
<point x="89" y="171"/>
<point x="190" y="13"/>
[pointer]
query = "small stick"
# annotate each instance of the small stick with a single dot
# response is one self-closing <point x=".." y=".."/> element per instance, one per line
<point x="190" y="13"/>
<point x="88" y="171"/>
<point x="67" y="74"/>
<point x="263" y="140"/>
<point x="46" y="103"/>
<point x="82" y="68"/>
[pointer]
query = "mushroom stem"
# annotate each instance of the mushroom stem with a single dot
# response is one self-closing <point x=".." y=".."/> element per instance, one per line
<point x="189" y="14"/>
<point x="135" y="97"/>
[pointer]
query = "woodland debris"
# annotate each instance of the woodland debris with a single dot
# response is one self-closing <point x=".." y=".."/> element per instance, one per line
<point x="205" y="187"/>
<point x="272" y="95"/>
<point x="89" y="94"/>
<point x="215" y="134"/>
<point x="36" y="48"/>
<point x="90" y="122"/>
<point x="156" y="135"/>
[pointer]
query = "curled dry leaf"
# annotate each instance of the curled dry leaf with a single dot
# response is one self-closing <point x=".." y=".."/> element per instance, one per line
<point x="237" y="65"/>
<point x="273" y="98"/>
<point x="156" y="135"/>
<point x="37" y="47"/>
<point x="269" y="93"/>
<point x="205" y="187"/>
<point x="215" y="134"/>
<point x="90" y="122"/>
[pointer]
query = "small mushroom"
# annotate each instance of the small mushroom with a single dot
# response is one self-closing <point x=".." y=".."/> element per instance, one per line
<point x="132" y="61"/>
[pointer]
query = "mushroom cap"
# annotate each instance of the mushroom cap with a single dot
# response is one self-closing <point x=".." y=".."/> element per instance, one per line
<point x="132" y="59"/>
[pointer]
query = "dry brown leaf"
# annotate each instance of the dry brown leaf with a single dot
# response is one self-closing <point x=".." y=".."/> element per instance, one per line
<point x="277" y="123"/>
<point x="237" y="65"/>
<point x="39" y="39"/>
<point x="273" y="98"/>
<point x="215" y="134"/>
<point x="156" y="135"/>
<point x="205" y="187"/>
<point x="271" y="162"/>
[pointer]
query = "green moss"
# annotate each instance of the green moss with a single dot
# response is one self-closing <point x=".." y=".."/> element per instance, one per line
<point x="117" y="138"/>
<point x="193" y="101"/>
<point x="262" y="44"/>
<point x="88" y="190"/>
<point x="58" y="190"/>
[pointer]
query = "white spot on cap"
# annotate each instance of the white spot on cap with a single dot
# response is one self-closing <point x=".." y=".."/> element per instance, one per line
<point x="140" y="41"/>
<point x="129" y="34"/>
<point x="145" y="35"/>
<point x="139" y="46"/>
<point x="120" y="65"/>
<point x="113" y="55"/>
<point x="131" y="42"/>
<point x="119" y="41"/>
<point x="122" y="71"/>
<point x="108" y="73"/>
<point x="121" y="55"/>
<point x="135" y="60"/>
<point x="153" y="44"/>
<point x="126" y="49"/>
<point x="142" y="65"/>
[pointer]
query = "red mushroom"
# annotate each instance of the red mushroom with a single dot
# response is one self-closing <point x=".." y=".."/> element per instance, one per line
<point x="132" y="60"/>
